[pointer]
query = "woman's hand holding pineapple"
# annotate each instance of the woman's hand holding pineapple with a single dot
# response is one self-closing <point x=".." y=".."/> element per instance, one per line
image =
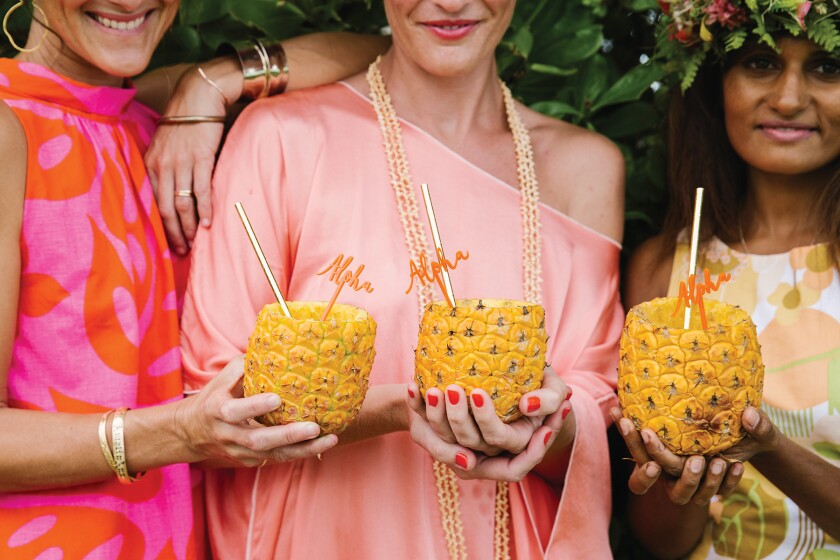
<point x="465" y="432"/>
<point x="216" y="425"/>
<point x="694" y="478"/>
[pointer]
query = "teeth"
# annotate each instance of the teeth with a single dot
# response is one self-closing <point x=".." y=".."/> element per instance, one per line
<point x="121" y="25"/>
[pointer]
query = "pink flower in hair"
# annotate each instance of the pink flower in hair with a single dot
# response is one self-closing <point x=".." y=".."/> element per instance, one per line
<point x="802" y="11"/>
<point x="725" y="13"/>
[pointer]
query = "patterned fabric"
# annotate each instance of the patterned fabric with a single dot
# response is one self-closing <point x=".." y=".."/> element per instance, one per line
<point x="794" y="300"/>
<point x="97" y="324"/>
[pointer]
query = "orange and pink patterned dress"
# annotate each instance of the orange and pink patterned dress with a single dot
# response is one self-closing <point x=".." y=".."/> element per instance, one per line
<point x="97" y="318"/>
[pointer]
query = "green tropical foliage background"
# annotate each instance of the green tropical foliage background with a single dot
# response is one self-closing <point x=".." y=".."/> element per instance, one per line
<point x="577" y="60"/>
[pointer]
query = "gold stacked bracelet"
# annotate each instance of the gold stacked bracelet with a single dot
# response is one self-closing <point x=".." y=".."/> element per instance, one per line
<point x="116" y="458"/>
<point x="265" y="70"/>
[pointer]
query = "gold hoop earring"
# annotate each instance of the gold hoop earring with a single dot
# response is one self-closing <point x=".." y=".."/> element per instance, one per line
<point x="9" y="35"/>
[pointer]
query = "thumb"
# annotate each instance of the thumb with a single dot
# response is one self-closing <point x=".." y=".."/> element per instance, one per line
<point x="756" y="423"/>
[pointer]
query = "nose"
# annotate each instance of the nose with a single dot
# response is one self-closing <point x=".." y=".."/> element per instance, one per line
<point x="452" y="6"/>
<point x="790" y="93"/>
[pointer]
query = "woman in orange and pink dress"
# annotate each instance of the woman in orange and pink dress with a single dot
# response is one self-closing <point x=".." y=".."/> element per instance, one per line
<point x="541" y="222"/>
<point x="89" y="310"/>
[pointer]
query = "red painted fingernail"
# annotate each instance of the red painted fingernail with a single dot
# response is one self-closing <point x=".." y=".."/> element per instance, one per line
<point x="453" y="396"/>
<point x="569" y="394"/>
<point x="533" y="404"/>
<point x="461" y="460"/>
<point x="565" y="412"/>
<point x="432" y="399"/>
<point x="547" y="437"/>
<point x="410" y="393"/>
<point x="478" y="400"/>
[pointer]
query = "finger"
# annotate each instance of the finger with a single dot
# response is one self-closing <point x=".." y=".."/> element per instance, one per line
<point x="759" y="426"/>
<point x="732" y="479"/>
<point x="185" y="205"/>
<point x="436" y="415"/>
<point x="168" y="214"/>
<point x="632" y="438"/>
<point x="644" y="477"/>
<point x="494" y="434"/>
<point x="268" y="438"/>
<point x="516" y="468"/>
<point x="711" y="482"/>
<point x="686" y="485"/>
<point x="236" y="411"/>
<point x="202" y="176"/>
<point x="670" y="463"/>
<point x="541" y="402"/>
<point x="415" y="400"/>
<point x="231" y="376"/>
<point x="305" y="450"/>
<point x="460" y="421"/>
<point x="448" y="453"/>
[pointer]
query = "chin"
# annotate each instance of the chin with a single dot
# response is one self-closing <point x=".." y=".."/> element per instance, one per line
<point x="127" y="67"/>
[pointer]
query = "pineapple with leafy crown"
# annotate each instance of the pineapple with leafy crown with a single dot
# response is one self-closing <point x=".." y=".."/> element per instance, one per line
<point x="496" y="345"/>
<point x="319" y="368"/>
<point x="690" y="386"/>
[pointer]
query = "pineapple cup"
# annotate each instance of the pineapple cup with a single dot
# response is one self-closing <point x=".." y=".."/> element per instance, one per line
<point x="690" y="386"/>
<point x="319" y="368"/>
<point x="493" y="344"/>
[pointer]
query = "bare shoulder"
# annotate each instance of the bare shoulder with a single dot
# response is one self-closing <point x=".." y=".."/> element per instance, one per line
<point x="581" y="173"/>
<point x="648" y="272"/>
<point x="12" y="170"/>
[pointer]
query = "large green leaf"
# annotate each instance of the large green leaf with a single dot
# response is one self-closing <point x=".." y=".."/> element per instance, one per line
<point x="630" y="86"/>
<point x="564" y="50"/>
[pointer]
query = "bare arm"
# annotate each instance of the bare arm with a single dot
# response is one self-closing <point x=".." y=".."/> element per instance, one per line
<point x="314" y="59"/>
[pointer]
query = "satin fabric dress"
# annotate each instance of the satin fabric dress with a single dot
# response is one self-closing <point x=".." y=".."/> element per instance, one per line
<point x="310" y="170"/>
<point x="97" y="315"/>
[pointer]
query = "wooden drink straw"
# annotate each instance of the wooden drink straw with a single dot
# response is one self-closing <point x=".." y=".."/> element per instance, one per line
<point x="695" y="241"/>
<point x="447" y="282"/>
<point x="261" y="256"/>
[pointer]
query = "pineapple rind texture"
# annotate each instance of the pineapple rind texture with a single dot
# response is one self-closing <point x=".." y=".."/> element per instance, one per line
<point x="320" y="369"/>
<point x="497" y="345"/>
<point x="691" y="385"/>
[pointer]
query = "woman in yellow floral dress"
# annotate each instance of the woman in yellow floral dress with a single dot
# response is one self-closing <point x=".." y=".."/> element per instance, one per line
<point x="759" y="128"/>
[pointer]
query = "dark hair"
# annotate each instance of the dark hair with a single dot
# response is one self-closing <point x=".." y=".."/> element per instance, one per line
<point x="700" y="155"/>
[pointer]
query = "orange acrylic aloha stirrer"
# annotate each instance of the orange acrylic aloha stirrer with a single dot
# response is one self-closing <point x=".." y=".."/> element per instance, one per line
<point x="341" y="276"/>
<point x="695" y="242"/>
<point x="694" y="292"/>
<point x="261" y="256"/>
<point x="450" y="295"/>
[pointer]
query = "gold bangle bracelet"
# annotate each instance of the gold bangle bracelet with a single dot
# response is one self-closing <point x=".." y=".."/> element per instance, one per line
<point x="265" y="70"/>
<point x="214" y="85"/>
<point x="278" y="69"/>
<point x="118" y="437"/>
<point x="191" y="119"/>
<point x="103" y="441"/>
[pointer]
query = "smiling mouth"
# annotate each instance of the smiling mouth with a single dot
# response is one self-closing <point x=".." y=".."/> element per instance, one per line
<point x="119" y="25"/>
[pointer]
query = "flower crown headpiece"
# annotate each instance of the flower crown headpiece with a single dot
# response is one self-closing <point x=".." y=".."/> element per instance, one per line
<point x="692" y="31"/>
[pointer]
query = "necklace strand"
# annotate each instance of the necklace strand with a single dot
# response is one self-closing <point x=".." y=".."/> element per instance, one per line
<point x="415" y="238"/>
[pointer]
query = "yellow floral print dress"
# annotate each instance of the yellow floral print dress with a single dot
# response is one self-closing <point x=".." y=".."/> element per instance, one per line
<point x="794" y="300"/>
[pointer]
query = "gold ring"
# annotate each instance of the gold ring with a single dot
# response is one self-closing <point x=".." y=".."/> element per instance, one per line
<point x="184" y="192"/>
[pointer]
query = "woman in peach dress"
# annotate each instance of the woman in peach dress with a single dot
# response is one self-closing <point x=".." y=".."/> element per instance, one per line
<point x="316" y="179"/>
